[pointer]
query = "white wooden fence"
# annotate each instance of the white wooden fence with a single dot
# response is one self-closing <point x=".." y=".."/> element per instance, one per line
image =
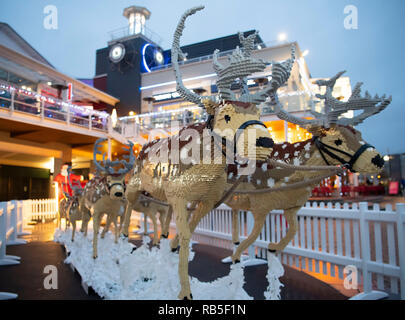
<point x="11" y="226"/>
<point x="14" y="218"/>
<point x="328" y="240"/>
<point x="40" y="210"/>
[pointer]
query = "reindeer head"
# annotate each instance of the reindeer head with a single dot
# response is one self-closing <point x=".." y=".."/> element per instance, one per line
<point x="115" y="178"/>
<point x="334" y="135"/>
<point x="235" y="118"/>
<point x="76" y="187"/>
<point x="237" y="125"/>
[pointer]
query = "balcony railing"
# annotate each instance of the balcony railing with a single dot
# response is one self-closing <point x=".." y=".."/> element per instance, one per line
<point x="124" y="32"/>
<point x="19" y="100"/>
<point x="134" y="126"/>
<point x="259" y="46"/>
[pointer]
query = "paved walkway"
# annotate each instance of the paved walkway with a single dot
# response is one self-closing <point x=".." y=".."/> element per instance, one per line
<point x="27" y="278"/>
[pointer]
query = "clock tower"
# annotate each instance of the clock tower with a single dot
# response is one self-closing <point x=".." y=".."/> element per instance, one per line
<point x="131" y="51"/>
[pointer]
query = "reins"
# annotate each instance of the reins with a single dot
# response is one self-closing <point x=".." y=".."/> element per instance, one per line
<point x="294" y="185"/>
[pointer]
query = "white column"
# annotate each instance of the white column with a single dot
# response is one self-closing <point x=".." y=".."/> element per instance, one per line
<point x="109" y="149"/>
<point x="401" y="245"/>
<point x="286" y="130"/>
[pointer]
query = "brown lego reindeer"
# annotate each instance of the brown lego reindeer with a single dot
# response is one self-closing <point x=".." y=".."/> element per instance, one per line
<point x="104" y="194"/>
<point x="199" y="178"/>
<point x="76" y="210"/>
<point x="63" y="207"/>
<point x="334" y="142"/>
<point x="150" y="208"/>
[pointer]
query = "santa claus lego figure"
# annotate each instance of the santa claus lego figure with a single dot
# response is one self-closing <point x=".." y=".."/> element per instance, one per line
<point x="63" y="180"/>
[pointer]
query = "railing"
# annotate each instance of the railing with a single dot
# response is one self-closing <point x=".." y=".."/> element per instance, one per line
<point x="126" y="31"/>
<point x="328" y="240"/>
<point x="11" y="226"/>
<point x="136" y="125"/>
<point x="220" y="54"/>
<point x="40" y="210"/>
<point x="133" y="126"/>
<point x="19" y="100"/>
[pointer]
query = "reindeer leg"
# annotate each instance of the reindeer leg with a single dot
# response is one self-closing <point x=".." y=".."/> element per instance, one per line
<point x="196" y="217"/>
<point x="96" y="227"/>
<point x="180" y="209"/>
<point x="291" y="216"/>
<point x="73" y="229"/>
<point x="152" y="215"/>
<point x="107" y="224"/>
<point x="127" y="220"/>
<point x="162" y="218"/>
<point x="202" y="209"/>
<point x="198" y="214"/>
<point x="85" y="221"/>
<point x="116" y="230"/>
<point x="67" y="224"/>
<point x="88" y="215"/>
<point x="235" y="227"/>
<point x="131" y="196"/>
<point x="166" y="226"/>
<point x="259" y="218"/>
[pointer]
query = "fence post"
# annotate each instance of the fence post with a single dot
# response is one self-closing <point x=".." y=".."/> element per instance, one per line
<point x="365" y="247"/>
<point x="19" y="218"/>
<point x="401" y="245"/>
<point x="12" y="240"/>
<point x="22" y="219"/>
<point x="5" y="260"/>
<point x="369" y="293"/>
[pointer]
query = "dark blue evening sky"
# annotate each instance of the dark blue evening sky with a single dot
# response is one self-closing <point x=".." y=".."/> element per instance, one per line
<point x="372" y="54"/>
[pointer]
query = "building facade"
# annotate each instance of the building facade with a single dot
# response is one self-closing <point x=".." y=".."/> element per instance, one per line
<point x="46" y="119"/>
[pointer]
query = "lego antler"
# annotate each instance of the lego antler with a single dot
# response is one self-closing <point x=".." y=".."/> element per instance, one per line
<point x="185" y="93"/>
<point x="241" y="65"/>
<point x="108" y="165"/>
<point x="76" y="188"/>
<point x="334" y="108"/>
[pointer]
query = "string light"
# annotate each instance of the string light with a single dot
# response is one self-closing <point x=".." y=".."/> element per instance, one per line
<point x="28" y="92"/>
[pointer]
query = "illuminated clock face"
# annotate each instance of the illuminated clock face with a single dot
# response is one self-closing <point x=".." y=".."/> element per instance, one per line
<point x="152" y="56"/>
<point x="117" y="53"/>
<point x="159" y="57"/>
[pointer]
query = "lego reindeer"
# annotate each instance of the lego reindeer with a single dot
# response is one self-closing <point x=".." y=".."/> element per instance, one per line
<point x="63" y="207"/>
<point x="335" y="142"/>
<point x="150" y="208"/>
<point x="76" y="210"/>
<point x="104" y="194"/>
<point x="193" y="169"/>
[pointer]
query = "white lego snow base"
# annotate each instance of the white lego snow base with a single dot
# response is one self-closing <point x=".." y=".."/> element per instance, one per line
<point x="146" y="274"/>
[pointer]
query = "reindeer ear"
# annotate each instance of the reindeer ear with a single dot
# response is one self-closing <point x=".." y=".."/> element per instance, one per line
<point x="209" y="106"/>
<point x="315" y="130"/>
